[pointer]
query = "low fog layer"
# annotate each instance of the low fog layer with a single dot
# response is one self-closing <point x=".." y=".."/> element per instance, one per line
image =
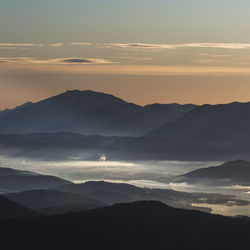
<point x="150" y="174"/>
<point x="80" y="171"/>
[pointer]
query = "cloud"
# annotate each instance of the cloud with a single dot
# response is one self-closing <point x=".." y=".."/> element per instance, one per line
<point x="212" y="61"/>
<point x="144" y="59"/>
<point x="141" y="45"/>
<point x="76" y="60"/>
<point x="58" y="61"/>
<point x="15" y="59"/>
<point x="56" y="44"/>
<point x="7" y="48"/>
<point x="83" y="44"/>
<point x="20" y="45"/>
<point x="82" y="61"/>
<point x="184" y="45"/>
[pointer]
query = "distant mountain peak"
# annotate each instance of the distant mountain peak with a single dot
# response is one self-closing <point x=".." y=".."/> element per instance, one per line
<point x="84" y="92"/>
<point x="233" y="172"/>
<point x="80" y="95"/>
<point x="237" y="162"/>
<point x="77" y="91"/>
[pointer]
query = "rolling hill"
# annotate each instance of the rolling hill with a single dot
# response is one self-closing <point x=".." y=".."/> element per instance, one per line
<point x="15" y="181"/>
<point x="40" y="199"/>
<point x="230" y="173"/>
<point x="139" y="225"/>
<point x="10" y="210"/>
<point x="111" y="193"/>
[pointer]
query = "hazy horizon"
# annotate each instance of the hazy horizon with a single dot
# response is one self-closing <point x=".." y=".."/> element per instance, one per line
<point x="127" y="100"/>
<point x="166" y="51"/>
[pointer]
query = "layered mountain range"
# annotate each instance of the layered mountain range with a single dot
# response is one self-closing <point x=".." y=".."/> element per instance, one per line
<point x="64" y="215"/>
<point x="89" y="113"/>
<point x="77" y="121"/>
<point x="12" y="180"/>
<point x="52" y="195"/>
<point x="138" y="225"/>
<point x="230" y="173"/>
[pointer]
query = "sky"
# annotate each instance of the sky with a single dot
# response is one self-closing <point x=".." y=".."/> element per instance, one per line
<point x="144" y="51"/>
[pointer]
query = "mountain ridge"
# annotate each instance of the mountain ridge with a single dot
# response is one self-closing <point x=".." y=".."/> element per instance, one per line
<point x="211" y="123"/>
<point x="12" y="180"/>
<point x="93" y="113"/>
<point x="235" y="172"/>
<point x="10" y="209"/>
<point x="137" y="225"/>
<point x="87" y="112"/>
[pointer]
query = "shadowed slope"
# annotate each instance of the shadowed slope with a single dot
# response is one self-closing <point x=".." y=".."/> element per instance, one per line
<point x="10" y="209"/>
<point x="139" y="225"/>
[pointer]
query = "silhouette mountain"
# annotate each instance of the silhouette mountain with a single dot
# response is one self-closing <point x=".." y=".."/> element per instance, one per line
<point x="146" y="119"/>
<point x="14" y="181"/>
<point x="10" y="209"/>
<point x="89" y="113"/>
<point x="7" y="111"/>
<point x="233" y="172"/>
<point x="104" y="191"/>
<point x="224" y="122"/>
<point x="82" y="111"/>
<point x="138" y="225"/>
<point x="65" y="209"/>
<point x="39" y="199"/>
<point x="111" y="193"/>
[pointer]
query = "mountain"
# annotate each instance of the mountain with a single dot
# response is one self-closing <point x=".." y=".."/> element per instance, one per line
<point x="10" y="209"/>
<point x="80" y="197"/>
<point x="233" y="172"/>
<point x="11" y="171"/>
<point x="174" y="131"/>
<point x="225" y="122"/>
<point x="65" y="209"/>
<point x="14" y="181"/>
<point x="104" y="191"/>
<point x="89" y="113"/>
<point x="39" y="199"/>
<point x="138" y="225"/>
<point x="82" y="111"/>
<point x="111" y="193"/>
<point x="146" y="119"/>
<point x="7" y="111"/>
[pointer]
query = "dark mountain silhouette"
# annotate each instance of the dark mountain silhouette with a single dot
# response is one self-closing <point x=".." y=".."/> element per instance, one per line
<point x="14" y="181"/>
<point x="82" y="111"/>
<point x="88" y="112"/>
<point x="224" y="122"/>
<point x="139" y="225"/>
<point x="111" y="193"/>
<point x="10" y="209"/>
<point x="146" y="119"/>
<point x="38" y="199"/>
<point x="7" y="111"/>
<point x="11" y="171"/>
<point x="65" y="209"/>
<point x="233" y="172"/>
<point x="104" y="191"/>
<point x="80" y="197"/>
